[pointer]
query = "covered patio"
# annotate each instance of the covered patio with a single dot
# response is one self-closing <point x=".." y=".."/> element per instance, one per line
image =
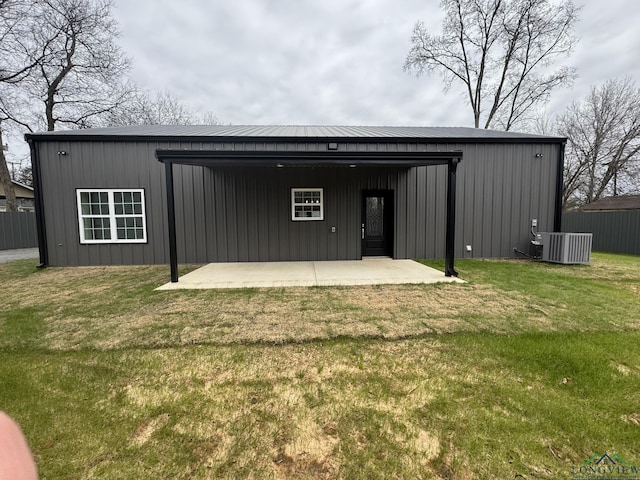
<point x="309" y="159"/>
<point x="369" y="271"/>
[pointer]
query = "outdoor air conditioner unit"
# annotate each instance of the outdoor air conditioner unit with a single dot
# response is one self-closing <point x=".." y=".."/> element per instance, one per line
<point x="566" y="248"/>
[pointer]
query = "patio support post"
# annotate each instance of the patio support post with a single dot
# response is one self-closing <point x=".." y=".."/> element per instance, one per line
<point x="171" y="222"/>
<point x="452" y="166"/>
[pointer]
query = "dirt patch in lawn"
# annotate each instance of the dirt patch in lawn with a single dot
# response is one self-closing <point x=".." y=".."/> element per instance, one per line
<point x="147" y="428"/>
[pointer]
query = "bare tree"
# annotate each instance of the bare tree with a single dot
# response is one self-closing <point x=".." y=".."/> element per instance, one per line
<point x="160" y="108"/>
<point x="501" y="51"/>
<point x="83" y="72"/>
<point x="603" y="148"/>
<point x="20" y="52"/>
<point x="24" y="175"/>
<point x="207" y="118"/>
<point x="59" y="66"/>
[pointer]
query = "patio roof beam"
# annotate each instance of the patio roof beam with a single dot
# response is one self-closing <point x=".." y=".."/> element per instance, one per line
<point x="229" y="158"/>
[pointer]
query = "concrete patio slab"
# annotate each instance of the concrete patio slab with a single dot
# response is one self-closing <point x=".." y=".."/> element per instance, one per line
<point x="370" y="271"/>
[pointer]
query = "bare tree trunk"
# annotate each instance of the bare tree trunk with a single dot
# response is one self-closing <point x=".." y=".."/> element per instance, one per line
<point x="5" y="180"/>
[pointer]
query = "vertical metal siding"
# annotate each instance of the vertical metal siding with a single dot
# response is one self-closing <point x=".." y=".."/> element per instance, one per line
<point x="18" y="230"/>
<point x="501" y="188"/>
<point x="421" y="200"/>
<point x="271" y="235"/>
<point x="411" y="212"/>
<point x="613" y="231"/>
<point x="400" y="217"/>
<point x="440" y="210"/>
<point x="514" y="209"/>
<point x="199" y="215"/>
<point x="99" y="165"/>
<point x="237" y="214"/>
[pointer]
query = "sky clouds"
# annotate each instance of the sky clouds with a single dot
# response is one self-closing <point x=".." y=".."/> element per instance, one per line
<point x="330" y="61"/>
<point x="254" y="61"/>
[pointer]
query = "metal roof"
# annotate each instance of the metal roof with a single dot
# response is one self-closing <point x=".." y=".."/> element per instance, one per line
<point x="292" y="132"/>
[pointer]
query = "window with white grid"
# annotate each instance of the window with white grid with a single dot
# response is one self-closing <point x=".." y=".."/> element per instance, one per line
<point x="307" y="204"/>
<point x="111" y="216"/>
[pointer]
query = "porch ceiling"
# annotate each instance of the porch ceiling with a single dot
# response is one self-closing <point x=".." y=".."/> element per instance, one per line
<point x="224" y="158"/>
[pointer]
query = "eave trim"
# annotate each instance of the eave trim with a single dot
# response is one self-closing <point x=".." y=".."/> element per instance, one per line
<point x="275" y="139"/>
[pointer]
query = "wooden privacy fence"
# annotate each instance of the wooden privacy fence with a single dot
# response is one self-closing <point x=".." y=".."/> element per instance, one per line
<point x="615" y="231"/>
<point x="18" y="230"/>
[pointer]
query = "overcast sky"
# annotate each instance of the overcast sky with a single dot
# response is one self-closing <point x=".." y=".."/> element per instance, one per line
<point x="328" y="62"/>
<point x="335" y="62"/>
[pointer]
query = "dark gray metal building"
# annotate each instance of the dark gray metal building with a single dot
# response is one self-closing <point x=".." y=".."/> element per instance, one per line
<point x="168" y="194"/>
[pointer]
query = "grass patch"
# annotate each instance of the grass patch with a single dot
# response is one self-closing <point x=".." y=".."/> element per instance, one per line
<point x="116" y="307"/>
<point x="523" y="372"/>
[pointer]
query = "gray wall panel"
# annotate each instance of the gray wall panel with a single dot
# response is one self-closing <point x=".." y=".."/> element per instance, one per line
<point x="477" y="207"/>
<point x="272" y="235"/>
<point x="613" y="231"/>
<point x="230" y="219"/>
<point x="400" y="237"/>
<point x="515" y="217"/>
<point x="18" y="230"/>
<point x="411" y="212"/>
<point x="244" y="214"/>
<point x="199" y="215"/>
<point x="98" y="165"/>
<point x="440" y="198"/>
<point x="421" y="201"/>
<point x="467" y="186"/>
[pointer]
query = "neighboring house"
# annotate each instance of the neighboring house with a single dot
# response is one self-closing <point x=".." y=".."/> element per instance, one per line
<point x="169" y="194"/>
<point x="619" y="202"/>
<point x="24" y="197"/>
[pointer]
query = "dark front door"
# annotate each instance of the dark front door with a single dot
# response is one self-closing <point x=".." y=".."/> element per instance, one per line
<point x="377" y="223"/>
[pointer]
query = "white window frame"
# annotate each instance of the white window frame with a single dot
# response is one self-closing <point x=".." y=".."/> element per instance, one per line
<point x="111" y="215"/>
<point x="294" y="204"/>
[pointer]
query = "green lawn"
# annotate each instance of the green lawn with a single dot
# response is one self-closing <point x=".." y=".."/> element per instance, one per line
<point x="527" y="370"/>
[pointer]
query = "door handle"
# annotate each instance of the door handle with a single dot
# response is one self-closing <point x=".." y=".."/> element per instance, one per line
<point x="363" y="231"/>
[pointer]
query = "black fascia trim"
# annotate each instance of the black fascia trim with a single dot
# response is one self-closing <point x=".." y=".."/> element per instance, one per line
<point x="224" y="158"/>
<point x="258" y="139"/>
<point x="39" y="204"/>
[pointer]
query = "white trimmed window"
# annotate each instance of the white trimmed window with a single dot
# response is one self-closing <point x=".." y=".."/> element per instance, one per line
<point x="307" y="204"/>
<point x="111" y="216"/>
